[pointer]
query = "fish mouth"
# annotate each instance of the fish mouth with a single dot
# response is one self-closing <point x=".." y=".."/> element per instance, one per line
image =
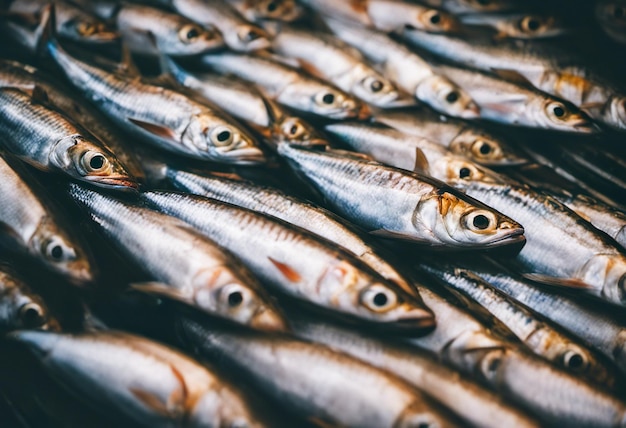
<point x="120" y="182"/>
<point x="515" y="237"/>
<point x="585" y="126"/>
<point x="471" y="111"/>
<point x="250" y="155"/>
<point x="269" y="320"/>
<point x="364" y="112"/>
<point x="104" y="37"/>
<point x="418" y="324"/>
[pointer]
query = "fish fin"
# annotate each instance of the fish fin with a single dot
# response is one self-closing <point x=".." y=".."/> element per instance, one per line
<point x="157" y="288"/>
<point x="287" y="271"/>
<point x="504" y="105"/>
<point x="351" y="154"/>
<point x="318" y="422"/>
<point x="511" y="75"/>
<point x="30" y="20"/>
<point x="501" y="35"/>
<point x="38" y="95"/>
<point x="127" y="65"/>
<point x="572" y="283"/>
<point x="179" y="396"/>
<point x="273" y="111"/>
<point x="310" y="68"/>
<point x="151" y="401"/>
<point x="421" y="163"/>
<point x="587" y="106"/>
<point x="229" y="175"/>
<point x="46" y="31"/>
<point x="152" y="128"/>
<point x="384" y="233"/>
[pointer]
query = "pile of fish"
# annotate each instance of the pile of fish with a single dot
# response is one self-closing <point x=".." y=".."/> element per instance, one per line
<point x="365" y="213"/>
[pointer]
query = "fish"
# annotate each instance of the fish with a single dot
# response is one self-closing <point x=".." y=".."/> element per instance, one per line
<point x="142" y="27"/>
<point x="539" y="336"/>
<point x="518" y="25"/>
<point x="261" y="10"/>
<point x="388" y="15"/>
<point x="511" y="104"/>
<point x="35" y="225"/>
<point x="20" y="307"/>
<point x="460" y="137"/>
<point x="407" y="70"/>
<point x="473" y="6"/>
<point x="325" y="57"/>
<point x="299" y="264"/>
<point x="545" y="67"/>
<point x="238" y="34"/>
<point x="476" y="405"/>
<point x="394" y="203"/>
<point x="288" y="86"/>
<point x="314" y="380"/>
<point x="245" y="102"/>
<point x="137" y="381"/>
<point x="611" y="15"/>
<point x="62" y="98"/>
<point x="182" y="264"/>
<point x="50" y="142"/>
<point x="186" y="127"/>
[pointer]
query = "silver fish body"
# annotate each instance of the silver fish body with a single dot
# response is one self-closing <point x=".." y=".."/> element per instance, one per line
<point x="186" y="127"/>
<point x="183" y="263"/>
<point x="38" y="228"/>
<point x="316" y="381"/>
<point x="300" y="264"/>
<point x="138" y="381"/>
<point x="407" y="70"/>
<point x="261" y="10"/>
<point x="400" y="204"/>
<point x="518" y="25"/>
<point x="287" y="85"/>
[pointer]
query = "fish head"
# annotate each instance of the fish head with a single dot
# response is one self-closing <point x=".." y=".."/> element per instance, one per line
<point x="447" y="97"/>
<point x="607" y="274"/>
<point x="459" y="168"/>
<point x="375" y="89"/>
<point x="293" y="130"/>
<point x="457" y="220"/>
<point x="87" y="161"/>
<point x="435" y="21"/>
<point x="280" y="10"/>
<point x="61" y="253"/>
<point x="616" y="111"/>
<point x="223" y="407"/>
<point x="534" y="26"/>
<point x="20" y="309"/>
<point x="221" y="140"/>
<point x="575" y="358"/>
<point x="325" y="100"/>
<point x="229" y="295"/>
<point x="560" y="115"/>
<point x="484" y="149"/>
<point x="246" y="38"/>
<point x="192" y="39"/>
<point x="421" y="415"/>
<point x="86" y="30"/>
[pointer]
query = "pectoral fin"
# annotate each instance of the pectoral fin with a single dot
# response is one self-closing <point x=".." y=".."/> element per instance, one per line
<point x="512" y="76"/>
<point x="288" y="272"/>
<point x="154" y="129"/>
<point x="572" y="283"/>
<point x="159" y="289"/>
<point x="151" y="401"/>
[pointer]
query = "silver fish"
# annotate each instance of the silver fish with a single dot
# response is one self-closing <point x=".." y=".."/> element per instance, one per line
<point x="461" y="138"/>
<point x="288" y="86"/>
<point x="49" y="141"/>
<point x="394" y="203"/>
<point x="260" y="10"/>
<point x="326" y="386"/>
<point x="325" y="57"/>
<point x="300" y="264"/>
<point x="518" y="25"/>
<point x="39" y="228"/>
<point x="184" y="264"/>
<point x="186" y="127"/>
<point x="138" y="381"/>
<point x="407" y="70"/>
<point x="142" y="27"/>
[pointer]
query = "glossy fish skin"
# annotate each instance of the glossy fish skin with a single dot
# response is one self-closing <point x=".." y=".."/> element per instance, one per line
<point x="388" y="15"/>
<point x="539" y="336"/>
<point x="239" y="34"/>
<point x="38" y="228"/>
<point x="300" y="264"/>
<point x="473" y="6"/>
<point x="173" y="34"/>
<point x="244" y="101"/>
<point x="186" y="127"/>
<point x="20" y="308"/>
<point x="395" y="203"/>
<point x="407" y="70"/>
<point x="327" y="58"/>
<point x="49" y="141"/>
<point x="476" y="405"/>
<point x="58" y="95"/>
<point x="518" y="25"/>
<point x="461" y="138"/>
<point x="594" y="327"/>
<point x="315" y="381"/>
<point x="512" y="104"/>
<point x="136" y="380"/>
<point x="588" y="259"/>
<point x="287" y="85"/>
<point x="260" y="10"/>
<point x="183" y="263"/>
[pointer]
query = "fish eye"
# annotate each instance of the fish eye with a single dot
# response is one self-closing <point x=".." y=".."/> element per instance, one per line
<point x="482" y="148"/>
<point x="464" y="172"/>
<point x="293" y="129"/>
<point x="480" y="220"/>
<point x="558" y="110"/>
<point x="530" y="23"/>
<point x="326" y="98"/>
<point x="56" y="251"/>
<point x="452" y="97"/>
<point x="574" y="361"/>
<point x="234" y="295"/>
<point x="271" y="6"/>
<point x="376" y="85"/>
<point x="189" y="33"/>
<point x="249" y="35"/>
<point x="379" y="298"/>
<point x="32" y="315"/>
<point x="93" y="161"/>
<point x="86" y="28"/>
<point x="222" y="137"/>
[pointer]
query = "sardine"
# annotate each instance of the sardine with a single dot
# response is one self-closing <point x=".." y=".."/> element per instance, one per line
<point x="138" y="381"/>
<point x="407" y="70"/>
<point x="461" y="138"/>
<point x="288" y="86"/>
<point x="518" y="25"/>
<point x="49" y="141"/>
<point x="39" y="228"/>
<point x="300" y="264"/>
<point x="183" y="264"/>
<point x="326" y="386"/>
<point x="325" y="57"/>
<point x="388" y="15"/>
<point x="186" y="127"/>
<point x="261" y="10"/>
<point x="394" y="203"/>
<point x="142" y="27"/>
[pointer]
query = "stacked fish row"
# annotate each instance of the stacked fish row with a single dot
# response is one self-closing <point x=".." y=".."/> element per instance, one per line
<point x="464" y="262"/>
